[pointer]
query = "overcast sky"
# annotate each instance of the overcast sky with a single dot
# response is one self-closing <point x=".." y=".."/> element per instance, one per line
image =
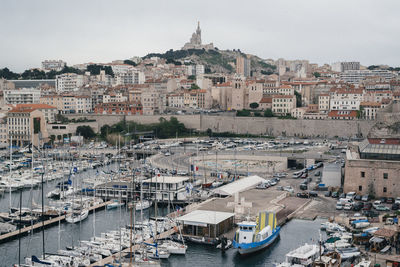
<point x="100" y="31"/>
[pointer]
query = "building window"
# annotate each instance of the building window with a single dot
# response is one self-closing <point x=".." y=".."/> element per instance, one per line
<point x="362" y="174"/>
<point x="384" y="190"/>
<point x="360" y="188"/>
<point x="385" y="175"/>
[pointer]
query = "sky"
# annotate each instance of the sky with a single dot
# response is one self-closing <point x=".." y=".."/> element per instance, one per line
<point x="79" y="31"/>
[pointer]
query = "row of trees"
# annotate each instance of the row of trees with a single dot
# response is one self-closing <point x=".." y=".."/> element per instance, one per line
<point x="37" y="74"/>
<point x="163" y="129"/>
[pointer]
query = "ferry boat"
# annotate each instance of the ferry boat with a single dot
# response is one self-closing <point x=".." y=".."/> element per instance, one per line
<point x="254" y="236"/>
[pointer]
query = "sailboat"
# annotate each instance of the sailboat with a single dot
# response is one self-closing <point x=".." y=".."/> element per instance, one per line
<point x="254" y="236"/>
<point x="77" y="215"/>
<point x="115" y="205"/>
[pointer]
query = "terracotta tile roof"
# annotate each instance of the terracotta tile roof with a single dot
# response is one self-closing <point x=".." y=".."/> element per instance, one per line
<point x="226" y="84"/>
<point x="34" y="106"/>
<point x="335" y="113"/>
<point x="372" y="104"/>
<point x="266" y="100"/>
<point x="324" y="95"/>
<point x="387" y="141"/>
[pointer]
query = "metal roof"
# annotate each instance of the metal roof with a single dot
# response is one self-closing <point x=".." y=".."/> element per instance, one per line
<point x="239" y="185"/>
<point x="199" y="217"/>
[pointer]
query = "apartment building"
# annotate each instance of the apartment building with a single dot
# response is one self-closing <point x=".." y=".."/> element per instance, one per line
<point x="283" y="104"/>
<point x="345" y="98"/>
<point x="324" y="103"/>
<point x="357" y="76"/>
<point x="153" y="102"/>
<point x="55" y="65"/>
<point x="24" y="125"/>
<point x="22" y="96"/>
<point x="369" y="110"/>
<point x="54" y="101"/>
<point x="125" y="108"/>
<point x="176" y="100"/>
<point x="49" y="112"/>
<point x="345" y="66"/>
<point x="195" y="70"/>
<point x="114" y="97"/>
<point x="377" y="95"/>
<point x="68" y="82"/>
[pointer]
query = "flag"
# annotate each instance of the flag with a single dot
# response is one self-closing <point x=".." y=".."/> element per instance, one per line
<point x="220" y="175"/>
<point x="197" y="168"/>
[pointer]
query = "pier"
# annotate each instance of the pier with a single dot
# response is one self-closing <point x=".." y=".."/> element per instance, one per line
<point x="38" y="226"/>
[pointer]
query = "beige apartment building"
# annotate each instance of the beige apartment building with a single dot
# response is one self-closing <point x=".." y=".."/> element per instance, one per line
<point x="25" y="124"/>
<point x="373" y="168"/>
<point x="323" y="103"/>
<point x="283" y="104"/>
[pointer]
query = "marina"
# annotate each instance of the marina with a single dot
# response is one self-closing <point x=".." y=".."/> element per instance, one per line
<point x="151" y="209"/>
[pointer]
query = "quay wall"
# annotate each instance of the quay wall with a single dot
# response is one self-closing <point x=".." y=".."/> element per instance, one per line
<point x="250" y="125"/>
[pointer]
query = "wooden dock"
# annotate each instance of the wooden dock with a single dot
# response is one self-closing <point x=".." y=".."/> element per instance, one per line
<point x="125" y="252"/>
<point x="38" y="226"/>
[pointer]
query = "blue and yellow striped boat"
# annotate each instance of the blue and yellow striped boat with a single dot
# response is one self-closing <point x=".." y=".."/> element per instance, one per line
<point x="254" y="236"/>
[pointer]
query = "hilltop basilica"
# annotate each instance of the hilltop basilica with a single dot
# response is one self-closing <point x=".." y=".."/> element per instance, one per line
<point x="195" y="41"/>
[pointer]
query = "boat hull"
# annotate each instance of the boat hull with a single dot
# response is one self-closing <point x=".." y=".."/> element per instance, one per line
<point x="249" y="248"/>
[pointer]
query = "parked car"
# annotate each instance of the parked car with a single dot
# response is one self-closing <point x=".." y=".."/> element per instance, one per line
<point x="313" y="194"/>
<point x="390" y="200"/>
<point x="367" y="206"/>
<point x="302" y="195"/>
<point x="395" y="206"/>
<point x="288" y="189"/>
<point x="383" y="199"/>
<point x="279" y="188"/>
<point x="342" y="195"/>
<point x="370" y="213"/>
<point x="357" y="197"/>
<point x="365" y="198"/>
<point x="335" y="194"/>
<point x="304" y="175"/>
<point x="328" y="193"/>
<point x="339" y="206"/>
<point x="348" y="206"/>
<point x="357" y="206"/>
<point x="397" y="200"/>
<point x="317" y="173"/>
<point x="381" y="208"/>
<point x="303" y="187"/>
<point x="376" y="203"/>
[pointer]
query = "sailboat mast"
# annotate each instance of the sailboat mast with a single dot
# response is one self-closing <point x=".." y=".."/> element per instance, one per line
<point x="10" y="167"/>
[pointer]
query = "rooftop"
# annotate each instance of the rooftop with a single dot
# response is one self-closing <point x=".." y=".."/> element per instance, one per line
<point x="167" y="179"/>
<point x="205" y="217"/>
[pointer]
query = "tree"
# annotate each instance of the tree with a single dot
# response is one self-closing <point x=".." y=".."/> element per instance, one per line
<point x="194" y="86"/>
<point x="254" y="105"/>
<point x="52" y="138"/>
<point x="85" y="131"/>
<point x="243" y="113"/>
<point x="130" y="62"/>
<point x="268" y="113"/>
<point x="298" y="99"/>
<point x="59" y="137"/>
<point x="317" y="74"/>
<point x="209" y="132"/>
<point x="192" y="77"/>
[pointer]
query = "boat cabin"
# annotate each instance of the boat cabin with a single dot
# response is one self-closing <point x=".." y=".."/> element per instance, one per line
<point x="206" y="223"/>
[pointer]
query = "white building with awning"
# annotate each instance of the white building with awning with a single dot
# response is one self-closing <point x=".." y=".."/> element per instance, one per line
<point x="238" y="186"/>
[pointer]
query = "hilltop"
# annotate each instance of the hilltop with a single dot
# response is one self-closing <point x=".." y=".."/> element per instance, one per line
<point x="214" y="61"/>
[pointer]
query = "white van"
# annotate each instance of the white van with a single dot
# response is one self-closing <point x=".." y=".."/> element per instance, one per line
<point x="350" y="195"/>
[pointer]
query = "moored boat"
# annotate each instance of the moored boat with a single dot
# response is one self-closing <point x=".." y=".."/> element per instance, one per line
<point x="254" y="236"/>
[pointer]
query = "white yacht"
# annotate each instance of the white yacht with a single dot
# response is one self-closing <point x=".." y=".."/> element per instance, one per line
<point x="303" y="256"/>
